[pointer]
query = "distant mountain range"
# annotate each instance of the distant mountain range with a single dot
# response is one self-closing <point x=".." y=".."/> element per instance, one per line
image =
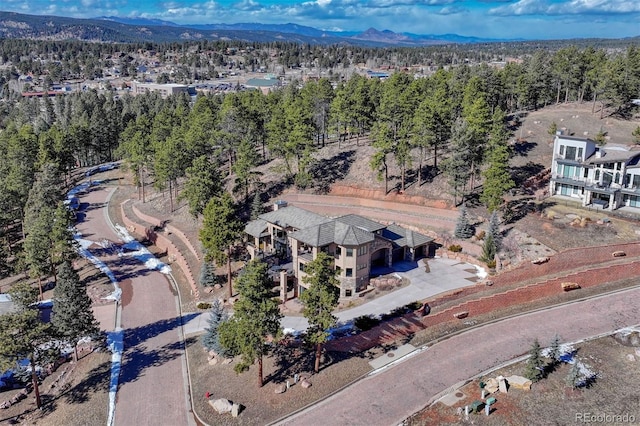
<point x="117" y="29"/>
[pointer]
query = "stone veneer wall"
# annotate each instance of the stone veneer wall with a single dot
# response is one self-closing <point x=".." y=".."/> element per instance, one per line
<point x="164" y="243"/>
<point x="170" y="228"/>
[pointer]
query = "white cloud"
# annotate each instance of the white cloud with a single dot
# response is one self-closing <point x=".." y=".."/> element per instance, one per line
<point x="573" y="7"/>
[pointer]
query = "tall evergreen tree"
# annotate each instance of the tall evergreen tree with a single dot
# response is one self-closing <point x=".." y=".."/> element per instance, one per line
<point x="320" y="299"/>
<point x="256" y="206"/>
<point x="256" y="318"/>
<point x="220" y="231"/>
<point x="203" y="183"/>
<point x="497" y="179"/>
<point x="494" y="229"/>
<point x="72" y="316"/>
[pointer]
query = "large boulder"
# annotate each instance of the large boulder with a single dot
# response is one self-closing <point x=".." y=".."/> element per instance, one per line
<point x="221" y="405"/>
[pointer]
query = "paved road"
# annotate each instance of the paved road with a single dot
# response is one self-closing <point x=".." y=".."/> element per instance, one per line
<point x="151" y="389"/>
<point x="397" y="392"/>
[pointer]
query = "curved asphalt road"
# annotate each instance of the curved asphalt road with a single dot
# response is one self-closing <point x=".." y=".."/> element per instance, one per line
<point x="151" y="389"/>
<point x="395" y="393"/>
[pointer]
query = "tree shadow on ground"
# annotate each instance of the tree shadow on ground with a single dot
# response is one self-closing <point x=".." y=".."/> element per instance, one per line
<point x="328" y="170"/>
<point x="523" y="148"/>
<point x="521" y="174"/>
<point x="136" y="360"/>
<point x="96" y="380"/>
<point x="290" y="358"/>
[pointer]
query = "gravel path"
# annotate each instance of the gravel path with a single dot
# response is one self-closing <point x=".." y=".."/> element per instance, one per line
<point x="395" y="393"/>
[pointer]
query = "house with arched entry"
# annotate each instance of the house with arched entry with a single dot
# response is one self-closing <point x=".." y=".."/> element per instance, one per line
<point x="357" y="244"/>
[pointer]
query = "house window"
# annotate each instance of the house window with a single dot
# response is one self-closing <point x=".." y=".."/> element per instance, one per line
<point x="349" y="272"/>
<point x="349" y="252"/>
<point x="338" y="251"/>
<point x="301" y="267"/>
<point x="571" y="153"/>
<point x="362" y="250"/>
<point x="362" y="266"/>
<point x="561" y="149"/>
<point x="347" y="293"/>
<point x="338" y="271"/>
<point x="580" y="157"/>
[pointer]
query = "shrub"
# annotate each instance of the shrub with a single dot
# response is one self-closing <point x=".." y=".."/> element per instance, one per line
<point x="455" y="248"/>
<point x="480" y="235"/>
<point x="203" y="305"/>
<point x="366" y="322"/>
<point x="491" y="264"/>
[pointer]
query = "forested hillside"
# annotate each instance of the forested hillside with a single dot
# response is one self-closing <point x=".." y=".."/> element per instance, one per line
<point x="461" y="116"/>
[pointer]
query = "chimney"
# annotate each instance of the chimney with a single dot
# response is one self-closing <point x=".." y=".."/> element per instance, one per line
<point x="280" y="204"/>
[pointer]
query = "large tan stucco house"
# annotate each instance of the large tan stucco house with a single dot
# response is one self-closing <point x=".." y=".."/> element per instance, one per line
<point x="356" y="243"/>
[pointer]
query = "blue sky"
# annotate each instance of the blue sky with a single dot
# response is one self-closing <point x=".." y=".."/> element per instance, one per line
<point x="529" y="19"/>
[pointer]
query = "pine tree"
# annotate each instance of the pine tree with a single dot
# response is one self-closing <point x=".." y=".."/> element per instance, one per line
<point x="463" y="228"/>
<point x="497" y="178"/>
<point x="256" y="317"/>
<point x="207" y="275"/>
<point x="534" y="367"/>
<point x="320" y="299"/>
<point x="72" y="316"/>
<point x="256" y="206"/>
<point x="573" y="377"/>
<point x="488" y="249"/>
<point x="211" y="338"/>
<point x="220" y="230"/>
<point x="554" y="349"/>
<point x="494" y="230"/>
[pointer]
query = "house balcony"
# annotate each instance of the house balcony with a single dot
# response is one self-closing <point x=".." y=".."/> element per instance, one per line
<point x="631" y="190"/>
<point x="575" y="181"/>
<point x="568" y="160"/>
<point x="603" y="188"/>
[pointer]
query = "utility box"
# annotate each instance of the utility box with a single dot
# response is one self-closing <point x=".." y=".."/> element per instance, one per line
<point x="491" y="401"/>
<point x="477" y="406"/>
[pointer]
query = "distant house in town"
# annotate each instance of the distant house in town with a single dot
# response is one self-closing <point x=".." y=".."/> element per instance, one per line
<point x="606" y="177"/>
<point x="357" y="244"/>
<point x="165" y="90"/>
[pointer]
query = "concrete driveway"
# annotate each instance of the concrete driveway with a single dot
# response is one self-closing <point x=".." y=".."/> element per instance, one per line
<point x="445" y="275"/>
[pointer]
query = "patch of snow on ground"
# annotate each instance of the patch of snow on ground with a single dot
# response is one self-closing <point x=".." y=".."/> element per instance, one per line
<point x="84" y="252"/>
<point x="140" y="252"/>
<point x="115" y="345"/>
<point x="480" y="272"/>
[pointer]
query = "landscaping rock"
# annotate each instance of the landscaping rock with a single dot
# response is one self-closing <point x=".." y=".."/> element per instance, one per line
<point x="221" y="405"/>
<point x="280" y="388"/>
<point x="630" y="357"/>
<point x="235" y="410"/>
<point x="213" y="361"/>
<point x="305" y="384"/>
<point x="519" y="382"/>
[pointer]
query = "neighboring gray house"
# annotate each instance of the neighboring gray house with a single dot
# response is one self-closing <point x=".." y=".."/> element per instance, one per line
<point x="606" y="177"/>
<point x="355" y="242"/>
